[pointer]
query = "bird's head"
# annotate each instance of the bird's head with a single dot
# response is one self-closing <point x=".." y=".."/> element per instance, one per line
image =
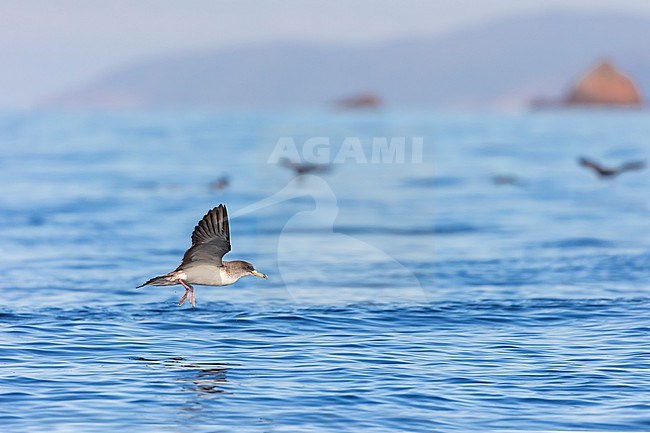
<point x="242" y="269"/>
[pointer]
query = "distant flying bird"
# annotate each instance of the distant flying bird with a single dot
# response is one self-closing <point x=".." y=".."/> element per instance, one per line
<point x="506" y="179"/>
<point x="610" y="172"/>
<point x="220" y="184"/>
<point x="202" y="264"/>
<point x="301" y="169"/>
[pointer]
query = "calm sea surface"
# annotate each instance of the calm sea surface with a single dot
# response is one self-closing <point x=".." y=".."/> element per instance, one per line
<point x="402" y="296"/>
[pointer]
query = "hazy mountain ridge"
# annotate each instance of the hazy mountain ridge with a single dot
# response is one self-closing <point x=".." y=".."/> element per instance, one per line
<point x="505" y="62"/>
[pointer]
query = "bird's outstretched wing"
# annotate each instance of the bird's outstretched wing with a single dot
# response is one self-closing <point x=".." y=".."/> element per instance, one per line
<point x="589" y="164"/>
<point x="599" y="169"/>
<point x="210" y="239"/>
<point x="632" y="165"/>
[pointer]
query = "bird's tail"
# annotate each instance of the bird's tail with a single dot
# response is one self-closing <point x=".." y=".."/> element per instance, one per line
<point x="163" y="280"/>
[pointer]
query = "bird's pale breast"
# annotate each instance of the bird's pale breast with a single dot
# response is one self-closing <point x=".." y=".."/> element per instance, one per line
<point x="208" y="275"/>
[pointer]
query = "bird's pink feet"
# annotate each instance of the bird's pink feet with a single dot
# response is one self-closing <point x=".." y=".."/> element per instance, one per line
<point x="189" y="290"/>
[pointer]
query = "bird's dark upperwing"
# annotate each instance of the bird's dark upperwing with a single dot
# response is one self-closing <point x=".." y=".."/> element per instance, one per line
<point x="210" y="239"/>
<point x="633" y="165"/>
<point x="592" y="165"/>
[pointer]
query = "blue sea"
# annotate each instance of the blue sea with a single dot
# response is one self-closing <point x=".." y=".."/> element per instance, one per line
<point x="402" y="295"/>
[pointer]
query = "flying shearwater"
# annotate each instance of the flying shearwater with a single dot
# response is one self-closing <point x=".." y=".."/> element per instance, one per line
<point x="202" y="263"/>
<point x="607" y="172"/>
<point x="220" y="184"/>
<point x="302" y="169"/>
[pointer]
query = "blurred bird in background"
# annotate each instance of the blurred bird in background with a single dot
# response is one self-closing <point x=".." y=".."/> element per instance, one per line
<point x="610" y="172"/>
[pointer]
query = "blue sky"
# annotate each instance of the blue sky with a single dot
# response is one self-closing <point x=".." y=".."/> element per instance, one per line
<point x="49" y="46"/>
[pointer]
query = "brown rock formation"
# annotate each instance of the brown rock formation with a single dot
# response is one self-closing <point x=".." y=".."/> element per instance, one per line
<point x="604" y="85"/>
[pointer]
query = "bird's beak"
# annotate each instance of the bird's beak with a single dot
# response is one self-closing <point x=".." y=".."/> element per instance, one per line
<point x="258" y="274"/>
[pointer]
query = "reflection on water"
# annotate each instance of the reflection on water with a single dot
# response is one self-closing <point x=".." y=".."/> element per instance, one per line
<point x="204" y="377"/>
